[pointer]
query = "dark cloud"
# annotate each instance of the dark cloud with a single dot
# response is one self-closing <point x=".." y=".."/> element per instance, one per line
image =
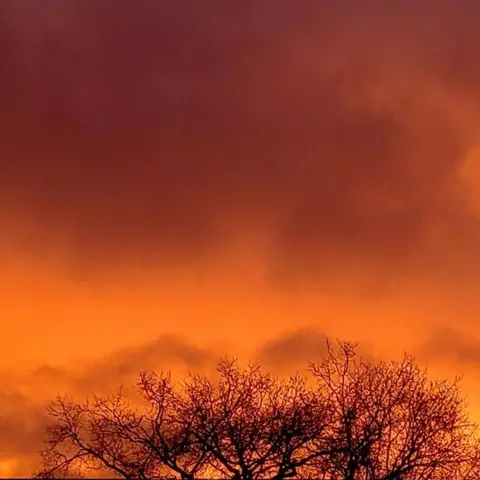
<point x="447" y="345"/>
<point x="157" y="131"/>
<point x="294" y="349"/>
<point x="123" y="366"/>
<point x="20" y="421"/>
<point x="22" y="429"/>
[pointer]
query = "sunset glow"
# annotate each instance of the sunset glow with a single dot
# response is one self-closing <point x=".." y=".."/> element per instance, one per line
<point x="180" y="182"/>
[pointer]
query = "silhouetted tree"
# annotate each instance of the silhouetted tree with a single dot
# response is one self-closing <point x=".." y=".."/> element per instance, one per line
<point x="255" y="425"/>
<point x="357" y="420"/>
<point x="108" y="434"/>
<point x="392" y="423"/>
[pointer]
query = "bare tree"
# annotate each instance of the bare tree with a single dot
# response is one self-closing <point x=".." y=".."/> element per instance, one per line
<point x="245" y="425"/>
<point x="109" y="435"/>
<point x="357" y="420"/>
<point x="392" y="423"/>
<point x="255" y="425"/>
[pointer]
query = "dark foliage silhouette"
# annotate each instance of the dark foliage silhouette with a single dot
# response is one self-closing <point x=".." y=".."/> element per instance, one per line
<point x="348" y="419"/>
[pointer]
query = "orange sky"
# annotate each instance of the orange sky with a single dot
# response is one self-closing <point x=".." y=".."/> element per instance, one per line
<point x="181" y="181"/>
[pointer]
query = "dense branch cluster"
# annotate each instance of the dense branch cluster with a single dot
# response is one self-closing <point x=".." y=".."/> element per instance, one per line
<point x="347" y="419"/>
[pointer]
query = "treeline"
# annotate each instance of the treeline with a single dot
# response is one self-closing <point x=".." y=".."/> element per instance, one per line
<point x="346" y="419"/>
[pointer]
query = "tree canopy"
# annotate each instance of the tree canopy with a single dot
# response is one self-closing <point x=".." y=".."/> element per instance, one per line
<point x="347" y="419"/>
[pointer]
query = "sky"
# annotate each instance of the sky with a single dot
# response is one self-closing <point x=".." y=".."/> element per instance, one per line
<point x="183" y="180"/>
